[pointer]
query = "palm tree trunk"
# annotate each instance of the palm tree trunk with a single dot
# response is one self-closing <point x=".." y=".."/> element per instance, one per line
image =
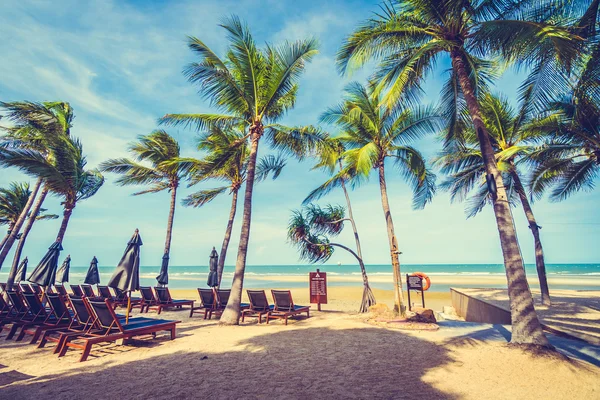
<point x="19" y="223"/>
<point x="32" y="217"/>
<point x="231" y="315"/>
<point x="526" y="328"/>
<point x="368" y="298"/>
<point x="65" y="222"/>
<point x="171" y="218"/>
<point x="398" y="296"/>
<point x="535" y="231"/>
<point x="5" y="238"/>
<point x="227" y="238"/>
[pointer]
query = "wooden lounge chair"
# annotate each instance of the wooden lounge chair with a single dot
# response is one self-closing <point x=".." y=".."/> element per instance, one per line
<point x="76" y="290"/>
<point x="149" y="300"/>
<point x="208" y="303"/>
<point x="104" y="292"/>
<point x="222" y="297"/>
<point x="87" y="290"/>
<point x="25" y="288"/>
<point x="106" y="318"/>
<point x="22" y="314"/>
<point x="163" y="296"/>
<point x="259" y="305"/>
<point x="121" y="299"/>
<point x="285" y="307"/>
<point x="52" y="320"/>
<point x="61" y="290"/>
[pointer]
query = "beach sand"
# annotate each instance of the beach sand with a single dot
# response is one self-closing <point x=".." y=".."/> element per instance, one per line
<point x="334" y="354"/>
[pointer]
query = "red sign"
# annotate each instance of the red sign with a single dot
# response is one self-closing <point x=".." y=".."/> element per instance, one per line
<point x="318" y="287"/>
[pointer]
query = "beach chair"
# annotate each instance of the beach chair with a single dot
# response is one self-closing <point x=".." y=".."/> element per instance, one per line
<point x="104" y="292"/>
<point x="22" y="314"/>
<point x="61" y="290"/>
<point x="285" y="307"/>
<point x="87" y="290"/>
<point x="222" y="297"/>
<point x="25" y="288"/>
<point x="208" y="303"/>
<point x="163" y="296"/>
<point x="259" y="305"/>
<point x="114" y="329"/>
<point x="51" y="320"/>
<point x="149" y="300"/>
<point x="121" y="299"/>
<point x="76" y="290"/>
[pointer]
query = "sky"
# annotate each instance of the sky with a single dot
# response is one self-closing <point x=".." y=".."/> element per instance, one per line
<point x="119" y="64"/>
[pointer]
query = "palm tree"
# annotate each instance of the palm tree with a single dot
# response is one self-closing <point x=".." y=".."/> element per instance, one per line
<point x="35" y="125"/>
<point x="162" y="152"/>
<point x="330" y="155"/>
<point x="570" y="161"/>
<point x="222" y="163"/>
<point x="13" y="200"/>
<point x="63" y="173"/>
<point x="253" y="88"/>
<point x="411" y="36"/>
<point x="512" y="142"/>
<point x="375" y="133"/>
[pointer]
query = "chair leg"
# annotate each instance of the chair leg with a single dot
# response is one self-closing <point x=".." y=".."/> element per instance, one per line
<point x="44" y="340"/>
<point x="36" y="336"/>
<point x="173" y="333"/>
<point x="86" y="351"/>
<point x="11" y="333"/>
<point x="21" y="334"/>
<point x="63" y="348"/>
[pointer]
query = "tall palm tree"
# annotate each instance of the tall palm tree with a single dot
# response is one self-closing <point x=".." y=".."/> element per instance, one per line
<point x="222" y="163"/>
<point x="13" y="200"/>
<point x="162" y="153"/>
<point x="64" y="173"/>
<point x="253" y="88"/>
<point x="330" y="159"/>
<point x="35" y="126"/>
<point x="512" y="142"/>
<point x="375" y="133"/>
<point x="411" y="36"/>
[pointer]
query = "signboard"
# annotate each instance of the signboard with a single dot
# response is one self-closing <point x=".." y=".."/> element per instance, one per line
<point x="414" y="282"/>
<point x="318" y="287"/>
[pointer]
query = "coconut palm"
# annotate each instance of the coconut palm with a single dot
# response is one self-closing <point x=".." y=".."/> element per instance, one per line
<point x="411" y="36"/>
<point x="222" y="163"/>
<point x="13" y="200"/>
<point x="252" y="88"/>
<point x="162" y="153"/>
<point x="330" y="159"/>
<point x="375" y="135"/>
<point x="64" y="173"/>
<point x="35" y="125"/>
<point x="512" y="143"/>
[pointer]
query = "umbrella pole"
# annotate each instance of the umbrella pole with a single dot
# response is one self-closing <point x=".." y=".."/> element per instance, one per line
<point x="128" y="308"/>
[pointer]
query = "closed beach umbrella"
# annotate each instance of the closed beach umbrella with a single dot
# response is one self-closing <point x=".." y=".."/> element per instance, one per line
<point x="45" y="272"/>
<point x="213" y="276"/>
<point x="163" y="277"/>
<point x="62" y="275"/>
<point x="20" y="276"/>
<point x="127" y="274"/>
<point x="93" y="276"/>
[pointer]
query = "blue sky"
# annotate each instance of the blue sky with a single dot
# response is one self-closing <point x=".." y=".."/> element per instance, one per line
<point x="119" y="64"/>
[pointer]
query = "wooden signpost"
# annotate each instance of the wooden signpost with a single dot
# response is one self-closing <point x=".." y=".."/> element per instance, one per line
<point x="317" y="282"/>
<point x="414" y="282"/>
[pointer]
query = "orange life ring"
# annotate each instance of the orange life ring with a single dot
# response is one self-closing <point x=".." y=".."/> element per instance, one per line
<point x="426" y="280"/>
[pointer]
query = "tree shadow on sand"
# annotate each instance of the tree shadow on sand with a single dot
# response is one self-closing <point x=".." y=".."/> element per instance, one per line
<point x="300" y="363"/>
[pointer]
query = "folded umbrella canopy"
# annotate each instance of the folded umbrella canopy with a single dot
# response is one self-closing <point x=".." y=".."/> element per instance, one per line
<point x="45" y="272"/>
<point x="127" y="274"/>
<point x="163" y="277"/>
<point x="93" y="276"/>
<point x="62" y="275"/>
<point x="20" y="275"/>
<point x="213" y="276"/>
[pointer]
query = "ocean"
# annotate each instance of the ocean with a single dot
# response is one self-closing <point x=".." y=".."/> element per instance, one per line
<point x="443" y="276"/>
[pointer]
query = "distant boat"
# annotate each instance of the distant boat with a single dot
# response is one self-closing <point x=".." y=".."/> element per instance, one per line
<point x="339" y="263"/>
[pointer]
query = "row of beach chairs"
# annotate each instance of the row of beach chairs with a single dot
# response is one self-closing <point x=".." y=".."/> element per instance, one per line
<point x="73" y="321"/>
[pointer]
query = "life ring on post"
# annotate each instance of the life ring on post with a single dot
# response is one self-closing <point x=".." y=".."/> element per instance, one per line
<point x="426" y="280"/>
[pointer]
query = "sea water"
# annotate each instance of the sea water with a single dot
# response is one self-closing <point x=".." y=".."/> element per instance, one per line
<point x="571" y="276"/>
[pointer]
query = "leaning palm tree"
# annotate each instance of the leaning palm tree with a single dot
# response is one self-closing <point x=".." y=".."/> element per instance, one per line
<point x="411" y="36"/>
<point x="164" y="172"/>
<point x="35" y="126"/>
<point x="253" y="88"/>
<point x="512" y="143"/>
<point x="376" y="134"/>
<point x="223" y="164"/>
<point x="13" y="200"/>
<point x="330" y="159"/>
<point x="64" y="173"/>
